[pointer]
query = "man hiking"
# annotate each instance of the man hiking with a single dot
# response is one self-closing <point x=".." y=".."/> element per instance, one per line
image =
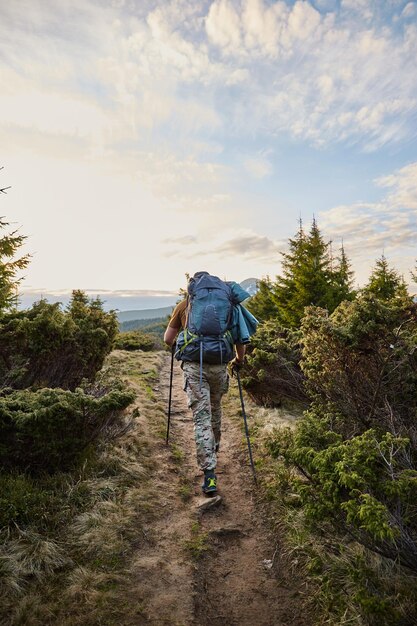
<point x="212" y="330"/>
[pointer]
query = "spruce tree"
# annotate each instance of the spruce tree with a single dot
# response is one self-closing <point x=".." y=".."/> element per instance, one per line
<point x="342" y="279"/>
<point x="414" y="274"/>
<point x="385" y="283"/>
<point x="262" y="304"/>
<point x="9" y="266"/>
<point x="274" y="298"/>
<point x="307" y="278"/>
<point x="286" y="288"/>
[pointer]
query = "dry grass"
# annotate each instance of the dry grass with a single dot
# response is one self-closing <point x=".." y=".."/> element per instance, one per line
<point x="84" y="585"/>
<point x="11" y="582"/>
<point x="30" y="610"/>
<point x="75" y="573"/>
<point x="34" y="555"/>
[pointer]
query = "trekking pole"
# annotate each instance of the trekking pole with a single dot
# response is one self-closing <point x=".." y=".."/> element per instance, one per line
<point x="246" y="426"/>
<point x="170" y="391"/>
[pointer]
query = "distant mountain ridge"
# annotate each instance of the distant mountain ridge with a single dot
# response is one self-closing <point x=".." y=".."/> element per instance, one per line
<point x="249" y="284"/>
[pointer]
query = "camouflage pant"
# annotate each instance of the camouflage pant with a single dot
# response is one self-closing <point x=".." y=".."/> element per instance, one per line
<point x="205" y="404"/>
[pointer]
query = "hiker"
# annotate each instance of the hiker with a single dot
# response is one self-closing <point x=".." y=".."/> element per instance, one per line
<point x="211" y="330"/>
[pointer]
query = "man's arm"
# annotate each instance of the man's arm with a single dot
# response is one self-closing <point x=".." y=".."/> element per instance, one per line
<point x="237" y="362"/>
<point x="240" y="352"/>
<point x="175" y="323"/>
<point x="170" y="334"/>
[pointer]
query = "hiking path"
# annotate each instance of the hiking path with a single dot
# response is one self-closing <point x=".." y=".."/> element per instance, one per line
<point x="221" y="566"/>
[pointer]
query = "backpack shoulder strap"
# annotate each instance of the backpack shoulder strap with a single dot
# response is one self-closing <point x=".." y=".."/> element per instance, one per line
<point x="187" y="310"/>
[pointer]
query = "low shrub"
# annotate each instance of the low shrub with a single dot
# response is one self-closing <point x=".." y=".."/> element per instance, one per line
<point x="45" y="346"/>
<point x="356" y="448"/>
<point x="134" y="340"/>
<point x="273" y="370"/>
<point x="50" y="429"/>
<point x="345" y="478"/>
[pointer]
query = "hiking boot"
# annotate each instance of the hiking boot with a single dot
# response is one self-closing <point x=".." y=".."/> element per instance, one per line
<point x="210" y="482"/>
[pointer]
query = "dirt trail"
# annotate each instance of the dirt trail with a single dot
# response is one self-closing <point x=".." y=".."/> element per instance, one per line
<point x="229" y="581"/>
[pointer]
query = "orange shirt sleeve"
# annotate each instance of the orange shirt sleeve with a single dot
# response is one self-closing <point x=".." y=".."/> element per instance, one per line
<point x="179" y="315"/>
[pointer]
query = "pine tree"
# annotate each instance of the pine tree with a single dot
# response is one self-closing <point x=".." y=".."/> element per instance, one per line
<point x="9" y="266"/>
<point x="262" y="304"/>
<point x="308" y="278"/>
<point x="274" y="298"/>
<point x="385" y="283"/>
<point x="414" y="274"/>
<point x="342" y="279"/>
<point x="313" y="277"/>
<point x="285" y="290"/>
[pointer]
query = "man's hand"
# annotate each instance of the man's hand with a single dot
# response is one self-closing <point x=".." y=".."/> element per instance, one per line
<point x="235" y="365"/>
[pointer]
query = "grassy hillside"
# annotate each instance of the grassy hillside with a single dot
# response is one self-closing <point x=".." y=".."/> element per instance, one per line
<point x="144" y="314"/>
<point x="152" y="326"/>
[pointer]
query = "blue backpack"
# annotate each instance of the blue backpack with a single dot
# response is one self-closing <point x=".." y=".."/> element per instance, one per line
<point x="207" y="336"/>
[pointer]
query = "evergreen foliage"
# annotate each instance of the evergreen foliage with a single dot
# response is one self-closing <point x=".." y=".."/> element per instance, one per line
<point x="342" y="280"/>
<point x="310" y="276"/>
<point x="262" y="304"/>
<point x="10" y="266"/>
<point x="49" y="429"/>
<point x="151" y="325"/>
<point x="49" y="435"/>
<point x="134" y="340"/>
<point x="356" y="448"/>
<point x="45" y="346"/>
<point x="68" y="531"/>
<point x="385" y="283"/>
<point x="414" y="274"/>
<point x="273" y="370"/>
<point x="306" y="276"/>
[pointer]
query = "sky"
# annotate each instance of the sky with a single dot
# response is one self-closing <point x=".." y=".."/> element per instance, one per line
<point x="144" y="140"/>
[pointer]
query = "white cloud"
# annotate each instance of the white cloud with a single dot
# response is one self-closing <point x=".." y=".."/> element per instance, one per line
<point x="223" y="25"/>
<point x="323" y="78"/>
<point x="224" y="68"/>
<point x="389" y="226"/>
<point x="404" y="187"/>
<point x="410" y="10"/>
<point x="241" y="244"/>
<point x="250" y="245"/>
<point x="185" y="240"/>
<point x="55" y="114"/>
<point x="184" y="185"/>
<point x="260" y="29"/>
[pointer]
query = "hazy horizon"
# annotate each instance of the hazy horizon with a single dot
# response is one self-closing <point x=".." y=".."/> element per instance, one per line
<point x="111" y="300"/>
<point x="122" y="300"/>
